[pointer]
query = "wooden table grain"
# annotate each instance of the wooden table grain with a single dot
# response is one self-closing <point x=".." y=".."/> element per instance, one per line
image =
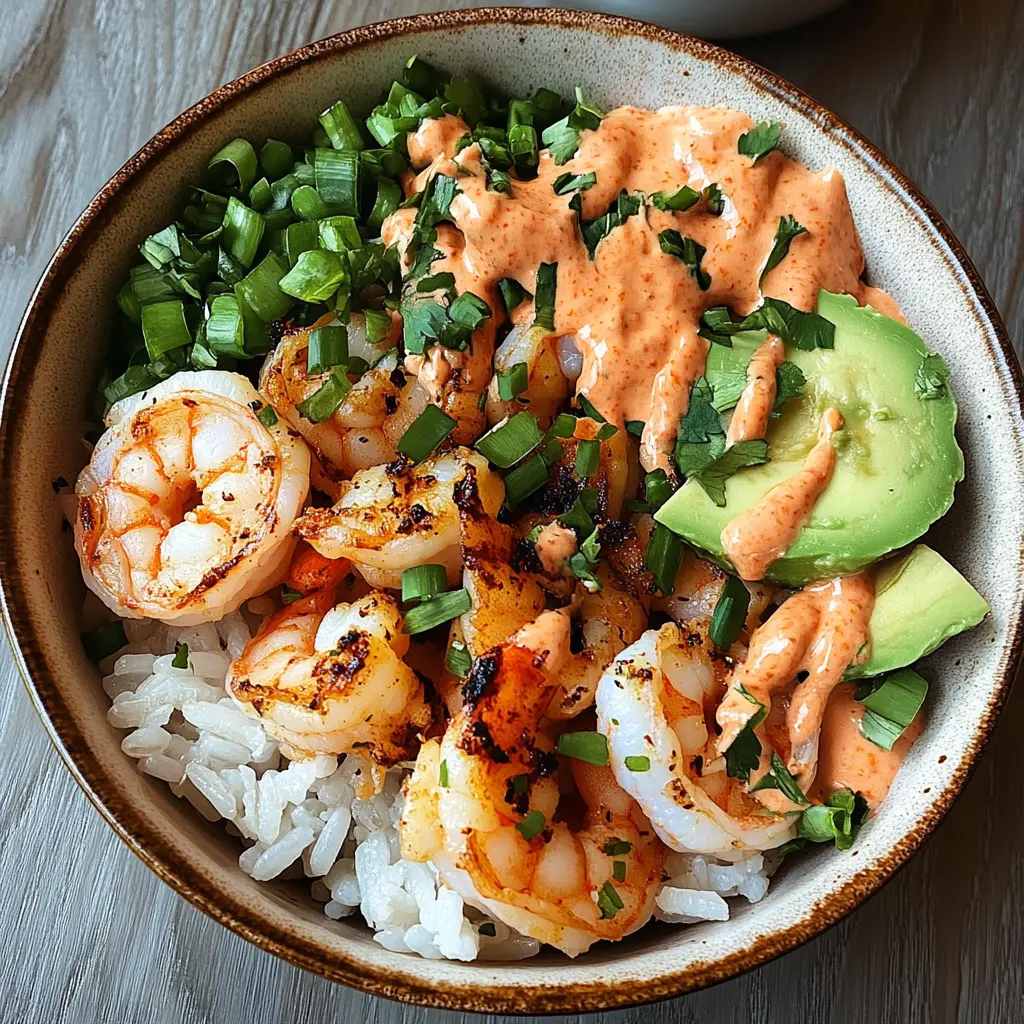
<point x="87" y="934"/>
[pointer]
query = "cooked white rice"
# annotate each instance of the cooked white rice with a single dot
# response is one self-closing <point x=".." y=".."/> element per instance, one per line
<point x="302" y="818"/>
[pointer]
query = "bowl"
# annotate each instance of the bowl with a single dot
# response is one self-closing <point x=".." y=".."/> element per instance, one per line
<point x="55" y="360"/>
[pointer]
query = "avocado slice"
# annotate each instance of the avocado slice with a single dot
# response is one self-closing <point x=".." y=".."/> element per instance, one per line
<point x="897" y="458"/>
<point x="920" y="602"/>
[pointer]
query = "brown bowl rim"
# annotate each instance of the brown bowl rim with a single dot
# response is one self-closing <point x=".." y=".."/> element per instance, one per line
<point x="246" y="921"/>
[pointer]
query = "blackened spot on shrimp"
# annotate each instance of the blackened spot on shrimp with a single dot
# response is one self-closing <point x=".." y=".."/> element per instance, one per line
<point x="480" y="742"/>
<point x="679" y="795"/>
<point x="525" y="557"/>
<point x="189" y="403"/>
<point x="644" y="673"/>
<point x="58" y="485"/>
<point x="802" y="675"/>
<point x="397" y="377"/>
<point x="481" y="676"/>
<point x="269" y="462"/>
<point x="390" y="404"/>
<point x="405" y="525"/>
<point x="694" y="640"/>
<point x="85" y="514"/>
<point x="561" y="492"/>
<point x="575" y="637"/>
<point x="545" y="763"/>
<point x="244" y="534"/>
<point x="698" y="764"/>
<point x="466" y="494"/>
<point x="520" y="801"/>
<point x="419" y="514"/>
<point x="399" y="466"/>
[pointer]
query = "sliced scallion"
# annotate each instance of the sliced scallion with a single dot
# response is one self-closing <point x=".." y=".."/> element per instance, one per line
<point x="619" y="870"/>
<point x="730" y="613"/>
<point x="225" y="329"/>
<point x="890" y="708"/>
<point x="337" y="179"/>
<point x="591" y="747"/>
<point x="662" y="557"/>
<point x="341" y="128"/>
<point x="299" y="238"/>
<point x="423" y="581"/>
<point x="243" y="230"/>
<point x="308" y="205"/>
<point x="425" y="433"/>
<point x="637" y="763"/>
<point x="261" y="288"/>
<point x="180" y="659"/>
<point x="240" y="155"/>
<point x="316" y="276"/>
<point x="511" y="440"/>
<point x="325" y="400"/>
<point x="609" y="902"/>
<point x="524" y="480"/>
<point x="276" y="158"/>
<point x="328" y="347"/>
<point x="339" y="234"/>
<point x="512" y="293"/>
<point x="164" y="327"/>
<point x="469" y="311"/>
<point x="442" y="774"/>
<point x="439" y="609"/>
<point x="389" y="195"/>
<point x="544" y="298"/>
<point x="458" y="660"/>
<point x="588" y="456"/>
<point x="104" y="640"/>
<point x="617" y="847"/>
<point x="378" y="326"/>
<point x="513" y="381"/>
<point x="531" y="825"/>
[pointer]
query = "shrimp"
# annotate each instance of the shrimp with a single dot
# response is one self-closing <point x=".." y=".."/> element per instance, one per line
<point x="186" y="507"/>
<point x="391" y="518"/>
<point x="366" y="426"/>
<point x="483" y="807"/>
<point x="547" y="387"/>
<point x="655" y="705"/>
<point x="326" y="678"/>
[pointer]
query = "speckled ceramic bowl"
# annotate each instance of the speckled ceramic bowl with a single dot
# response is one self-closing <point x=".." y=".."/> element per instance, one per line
<point x="911" y="253"/>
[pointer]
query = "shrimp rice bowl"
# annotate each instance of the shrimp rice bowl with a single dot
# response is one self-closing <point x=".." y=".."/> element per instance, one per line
<point x="504" y="515"/>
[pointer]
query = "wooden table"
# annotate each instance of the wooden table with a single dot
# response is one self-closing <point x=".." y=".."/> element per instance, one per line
<point x="939" y="84"/>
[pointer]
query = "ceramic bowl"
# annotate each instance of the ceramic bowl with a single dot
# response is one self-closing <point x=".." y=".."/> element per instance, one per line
<point x="56" y="358"/>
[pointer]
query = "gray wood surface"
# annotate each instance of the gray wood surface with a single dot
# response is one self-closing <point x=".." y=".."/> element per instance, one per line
<point x="939" y="84"/>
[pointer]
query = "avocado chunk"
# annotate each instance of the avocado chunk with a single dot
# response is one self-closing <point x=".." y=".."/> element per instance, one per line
<point x="920" y="602"/>
<point x="897" y="460"/>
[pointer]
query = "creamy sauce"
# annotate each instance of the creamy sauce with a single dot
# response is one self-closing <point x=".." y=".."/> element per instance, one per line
<point x="820" y="630"/>
<point x="634" y="310"/>
<point x="756" y="537"/>
<point x="750" y="417"/>
<point x="547" y="637"/>
<point x="848" y="760"/>
<point x="555" y="545"/>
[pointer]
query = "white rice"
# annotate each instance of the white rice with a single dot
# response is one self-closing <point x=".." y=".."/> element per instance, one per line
<point x="302" y="818"/>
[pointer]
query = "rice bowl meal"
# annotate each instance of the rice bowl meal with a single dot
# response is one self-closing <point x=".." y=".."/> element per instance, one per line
<point x="507" y="515"/>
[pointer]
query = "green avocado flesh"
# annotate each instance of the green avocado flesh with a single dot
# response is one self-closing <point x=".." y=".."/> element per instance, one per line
<point x="920" y="602"/>
<point x="897" y="460"/>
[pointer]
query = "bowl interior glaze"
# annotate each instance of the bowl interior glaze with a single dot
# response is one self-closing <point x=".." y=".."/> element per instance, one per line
<point x="56" y="360"/>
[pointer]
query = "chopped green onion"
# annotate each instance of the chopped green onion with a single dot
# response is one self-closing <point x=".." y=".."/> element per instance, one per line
<point x="890" y="708"/>
<point x="837" y="820"/>
<point x="520" y="783"/>
<point x="421" y="77"/>
<point x="180" y="659"/>
<point x="589" y="408"/>
<point x="591" y="747"/>
<point x="300" y="238"/>
<point x="588" y="455"/>
<point x="308" y="205"/>
<point x="322" y="404"/>
<point x="532" y="825"/>
<point x="437" y="610"/>
<point x="730" y="613"/>
<point x="266" y="415"/>
<point x="458" y="660"/>
<point x="243" y="229"/>
<point x="513" y="381"/>
<point x="510" y="440"/>
<point x="316" y="276"/>
<point x="578" y="519"/>
<point x="779" y="778"/>
<point x="638" y="763"/>
<point x="617" y="847"/>
<point x="663" y="556"/>
<point x="469" y="311"/>
<point x="524" y="480"/>
<point x="744" y="753"/>
<point x="328" y="347"/>
<point x="225" y="328"/>
<point x="787" y="230"/>
<point x="289" y="596"/>
<point x="240" y="155"/>
<point x="104" y="640"/>
<point x="544" y="298"/>
<point x="276" y="158"/>
<point x="425" y="433"/>
<point x="442" y="774"/>
<point x="261" y="289"/>
<point x="339" y="234"/>
<point x="389" y="195"/>
<point x="131" y="382"/>
<point x="609" y="901"/>
<point x="341" y="128"/>
<point x="564" y="425"/>
<point x="619" y="870"/>
<point x="512" y="293"/>
<point x="423" y="581"/>
<point x="164" y="327"/>
<point x="677" y="201"/>
<point x="260" y="195"/>
<point x="337" y="179"/>
<point x="607" y="432"/>
<point x="635" y="427"/>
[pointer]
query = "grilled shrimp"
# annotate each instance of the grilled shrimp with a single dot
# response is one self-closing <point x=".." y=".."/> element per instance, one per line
<point x="655" y="705"/>
<point x="483" y="806"/>
<point x="326" y="678"/>
<point x="547" y="387"/>
<point x="366" y="426"/>
<point x="186" y="507"/>
<point x="390" y="518"/>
